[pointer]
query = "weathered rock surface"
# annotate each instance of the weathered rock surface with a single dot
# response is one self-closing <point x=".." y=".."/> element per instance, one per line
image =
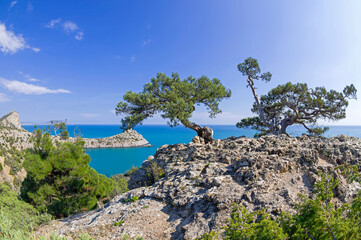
<point x="129" y="138"/>
<point x="203" y="181"/>
<point x="11" y="120"/>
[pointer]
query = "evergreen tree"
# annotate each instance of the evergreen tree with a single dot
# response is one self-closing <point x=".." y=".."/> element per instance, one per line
<point x="290" y="104"/>
<point x="175" y="99"/>
<point x="59" y="179"/>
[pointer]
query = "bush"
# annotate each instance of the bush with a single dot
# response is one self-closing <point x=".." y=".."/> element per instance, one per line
<point x="315" y="218"/>
<point x="154" y="172"/>
<point x="120" y="185"/>
<point x="13" y="158"/>
<point x="131" y="171"/>
<point x="17" y="218"/>
<point x="59" y="179"/>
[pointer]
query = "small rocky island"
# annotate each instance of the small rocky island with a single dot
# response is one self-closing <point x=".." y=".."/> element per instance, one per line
<point x="11" y="132"/>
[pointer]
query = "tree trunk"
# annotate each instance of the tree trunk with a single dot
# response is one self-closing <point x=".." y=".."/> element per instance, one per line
<point x="205" y="132"/>
<point x="284" y="124"/>
<point x="256" y="98"/>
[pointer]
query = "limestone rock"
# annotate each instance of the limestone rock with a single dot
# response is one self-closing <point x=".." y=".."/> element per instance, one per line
<point x="202" y="181"/>
<point x="11" y="120"/>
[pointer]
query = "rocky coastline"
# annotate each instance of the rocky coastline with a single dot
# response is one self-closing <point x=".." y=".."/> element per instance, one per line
<point x="11" y="133"/>
<point x="198" y="184"/>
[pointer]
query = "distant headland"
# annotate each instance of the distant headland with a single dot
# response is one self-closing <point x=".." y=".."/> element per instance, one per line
<point x="10" y="128"/>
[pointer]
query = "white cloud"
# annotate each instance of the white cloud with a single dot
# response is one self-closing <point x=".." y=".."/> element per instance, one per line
<point x="35" y="49"/>
<point x="89" y="115"/>
<point x="3" y="98"/>
<point x="68" y="26"/>
<point x="132" y="59"/>
<point x="27" y="88"/>
<point x="11" y="43"/>
<point x="12" y="4"/>
<point x="53" y="23"/>
<point x="79" y="36"/>
<point x="31" y="79"/>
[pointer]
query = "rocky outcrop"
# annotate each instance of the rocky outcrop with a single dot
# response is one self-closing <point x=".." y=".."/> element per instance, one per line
<point x="202" y="181"/>
<point x="129" y="138"/>
<point x="11" y="120"/>
<point x="12" y="134"/>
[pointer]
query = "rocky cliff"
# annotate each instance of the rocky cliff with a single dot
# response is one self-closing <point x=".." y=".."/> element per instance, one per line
<point x="11" y="120"/>
<point x="201" y="182"/>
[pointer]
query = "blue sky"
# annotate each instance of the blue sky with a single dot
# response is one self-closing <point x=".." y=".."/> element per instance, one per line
<point x="74" y="59"/>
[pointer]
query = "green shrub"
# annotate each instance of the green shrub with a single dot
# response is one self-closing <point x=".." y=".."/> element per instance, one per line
<point x="13" y="158"/>
<point x="315" y="218"/>
<point x="134" y="198"/>
<point x="18" y="218"/>
<point x="245" y="225"/>
<point x="131" y="171"/>
<point x="154" y="172"/>
<point x="59" y="179"/>
<point x="119" y="223"/>
<point x="8" y="232"/>
<point x="120" y="185"/>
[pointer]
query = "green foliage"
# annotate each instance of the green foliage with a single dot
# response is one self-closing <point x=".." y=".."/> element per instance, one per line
<point x="154" y="172"/>
<point x="17" y="218"/>
<point x="61" y="127"/>
<point x="8" y="232"/>
<point x="54" y="236"/>
<point x="174" y="98"/>
<point x="134" y="198"/>
<point x="13" y="158"/>
<point x="290" y="104"/>
<point x="120" y="185"/>
<point x="315" y="218"/>
<point x="59" y="179"/>
<point x="131" y="171"/>
<point x="250" y="68"/>
<point x="119" y="223"/>
<point x="245" y="225"/>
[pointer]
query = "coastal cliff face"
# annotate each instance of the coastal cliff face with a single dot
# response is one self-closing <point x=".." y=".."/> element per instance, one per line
<point x="199" y="184"/>
<point x="11" y="120"/>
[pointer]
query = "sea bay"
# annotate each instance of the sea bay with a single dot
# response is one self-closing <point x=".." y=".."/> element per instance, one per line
<point x="111" y="161"/>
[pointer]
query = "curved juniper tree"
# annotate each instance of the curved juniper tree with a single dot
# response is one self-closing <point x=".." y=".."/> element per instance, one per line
<point x="175" y="99"/>
<point x="290" y="104"/>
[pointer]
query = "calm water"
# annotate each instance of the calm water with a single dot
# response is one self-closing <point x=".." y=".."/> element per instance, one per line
<point x="111" y="161"/>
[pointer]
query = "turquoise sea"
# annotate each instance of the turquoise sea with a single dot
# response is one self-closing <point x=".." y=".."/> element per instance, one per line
<point x="111" y="161"/>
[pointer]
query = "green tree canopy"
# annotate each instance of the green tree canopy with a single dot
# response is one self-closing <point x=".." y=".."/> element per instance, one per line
<point x="61" y="127"/>
<point x="59" y="179"/>
<point x="290" y="104"/>
<point x="175" y="99"/>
